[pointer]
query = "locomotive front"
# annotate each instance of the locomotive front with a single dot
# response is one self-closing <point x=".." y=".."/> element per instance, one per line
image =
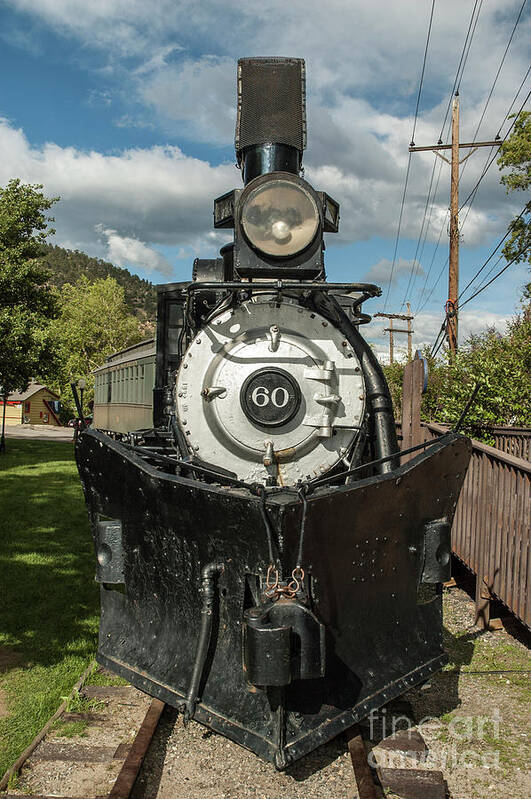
<point x="266" y="563"/>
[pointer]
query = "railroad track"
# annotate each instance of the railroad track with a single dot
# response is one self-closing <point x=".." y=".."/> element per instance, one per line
<point x="374" y="780"/>
<point x="121" y="723"/>
<point x="118" y="723"/>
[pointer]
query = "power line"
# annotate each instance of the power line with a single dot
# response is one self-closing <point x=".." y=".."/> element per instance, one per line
<point x="469" y="45"/>
<point x="443" y="268"/>
<point x="455" y="89"/>
<point x="520" y="215"/>
<point x="457" y="77"/>
<point x="398" y="231"/>
<point x="472" y="195"/>
<point x="409" y="159"/>
<point x="432" y="261"/>
<point x="481" y="268"/>
<point x="414" y="261"/>
<point x="428" y="224"/>
<point x="514" y="99"/>
<point x="496" y="276"/>
<point x="500" y="69"/>
<point x="490" y="160"/>
<point x="423" y="68"/>
<point x="495" y="82"/>
<point x="437" y="344"/>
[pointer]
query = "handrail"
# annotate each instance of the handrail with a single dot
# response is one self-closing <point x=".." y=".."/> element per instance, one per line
<point x="479" y="446"/>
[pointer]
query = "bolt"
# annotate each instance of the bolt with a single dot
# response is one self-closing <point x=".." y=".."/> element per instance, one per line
<point x="357" y="369"/>
<point x="344" y="343"/>
<point x="325" y="324"/>
<point x="198" y="341"/>
<point x="204" y="392"/>
<point x="185" y="366"/>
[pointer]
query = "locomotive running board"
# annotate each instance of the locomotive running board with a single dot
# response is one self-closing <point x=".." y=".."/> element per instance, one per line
<point x="366" y="549"/>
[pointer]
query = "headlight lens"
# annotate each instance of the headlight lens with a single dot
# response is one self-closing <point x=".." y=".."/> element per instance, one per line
<point x="280" y="218"/>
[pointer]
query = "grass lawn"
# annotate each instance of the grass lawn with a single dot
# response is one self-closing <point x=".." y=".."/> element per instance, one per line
<point x="48" y="597"/>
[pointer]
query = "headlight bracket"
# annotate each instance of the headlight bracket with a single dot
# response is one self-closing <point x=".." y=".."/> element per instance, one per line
<point x="249" y="260"/>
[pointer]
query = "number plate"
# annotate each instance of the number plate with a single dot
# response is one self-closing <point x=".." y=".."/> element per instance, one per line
<point x="270" y="397"/>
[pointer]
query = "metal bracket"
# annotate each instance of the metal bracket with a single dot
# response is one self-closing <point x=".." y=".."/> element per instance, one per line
<point x="109" y="552"/>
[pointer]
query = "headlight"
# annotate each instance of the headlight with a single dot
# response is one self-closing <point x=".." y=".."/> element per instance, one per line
<point x="280" y="218"/>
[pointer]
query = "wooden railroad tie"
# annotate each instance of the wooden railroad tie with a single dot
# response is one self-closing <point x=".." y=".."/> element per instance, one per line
<point x="408" y="783"/>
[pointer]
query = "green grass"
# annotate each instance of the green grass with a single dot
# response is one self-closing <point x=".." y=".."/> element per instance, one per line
<point x="71" y="729"/>
<point x="49" y="600"/>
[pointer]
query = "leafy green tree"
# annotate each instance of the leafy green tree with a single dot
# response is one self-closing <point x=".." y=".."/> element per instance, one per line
<point x="515" y="154"/>
<point x="27" y="304"/>
<point x="94" y="321"/>
<point x="501" y="364"/>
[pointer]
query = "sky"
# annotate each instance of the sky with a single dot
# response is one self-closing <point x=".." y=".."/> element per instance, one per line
<point x="125" y="109"/>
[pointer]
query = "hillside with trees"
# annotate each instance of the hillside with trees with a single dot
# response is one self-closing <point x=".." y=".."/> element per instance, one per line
<point x="67" y="266"/>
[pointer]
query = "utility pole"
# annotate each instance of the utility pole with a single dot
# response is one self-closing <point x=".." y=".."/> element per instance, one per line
<point x="453" y="261"/>
<point x="392" y="330"/>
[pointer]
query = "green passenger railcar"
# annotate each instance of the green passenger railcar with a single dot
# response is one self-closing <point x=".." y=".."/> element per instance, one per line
<point x="123" y="389"/>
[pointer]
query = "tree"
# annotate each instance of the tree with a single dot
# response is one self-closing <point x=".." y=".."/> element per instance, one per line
<point x="501" y="364"/>
<point x="515" y="153"/>
<point x="27" y="304"/>
<point x="94" y="321"/>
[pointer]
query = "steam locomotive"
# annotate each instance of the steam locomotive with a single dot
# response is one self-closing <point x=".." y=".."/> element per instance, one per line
<point x="266" y="563"/>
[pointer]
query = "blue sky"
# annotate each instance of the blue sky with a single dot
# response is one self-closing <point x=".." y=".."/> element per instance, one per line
<point x="126" y="110"/>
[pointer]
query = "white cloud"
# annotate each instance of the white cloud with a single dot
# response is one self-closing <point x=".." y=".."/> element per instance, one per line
<point x="128" y="251"/>
<point x="381" y="271"/>
<point x="362" y="78"/>
<point x="155" y="195"/>
<point x="199" y="96"/>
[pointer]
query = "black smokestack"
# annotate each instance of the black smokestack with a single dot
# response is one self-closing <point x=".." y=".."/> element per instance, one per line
<point x="271" y="121"/>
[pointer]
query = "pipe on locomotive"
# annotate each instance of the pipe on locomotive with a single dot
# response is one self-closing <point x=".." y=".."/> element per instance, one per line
<point x="260" y="159"/>
<point x="208" y="575"/>
<point x="378" y="394"/>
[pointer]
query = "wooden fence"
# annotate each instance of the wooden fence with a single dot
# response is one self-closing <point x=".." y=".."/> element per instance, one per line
<point x="513" y="440"/>
<point x="491" y="529"/>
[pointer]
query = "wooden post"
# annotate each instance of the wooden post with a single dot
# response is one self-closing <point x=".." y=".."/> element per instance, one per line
<point x="453" y="271"/>
<point x="412" y="385"/>
<point x="391" y="342"/>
